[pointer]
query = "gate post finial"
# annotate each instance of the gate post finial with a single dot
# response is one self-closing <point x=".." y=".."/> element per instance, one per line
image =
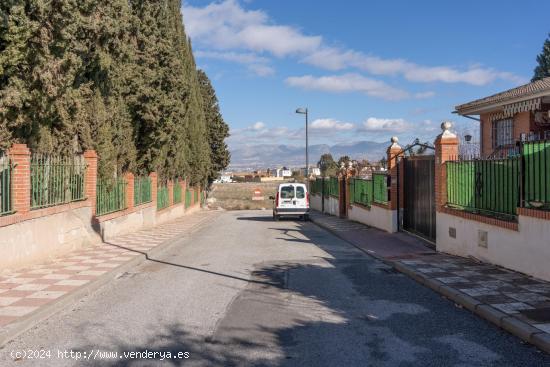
<point x="446" y="149"/>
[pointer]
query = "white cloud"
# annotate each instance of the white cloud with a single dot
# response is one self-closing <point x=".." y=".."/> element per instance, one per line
<point x="335" y="59"/>
<point x="331" y="124"/>
<point x="385" y="125"/>
<point x="255" y="63"/>
<point x="257" y="126"/>
<point x="348" y="83"/>
<point x="227" y="25"/>
<point x="261" y="70"/>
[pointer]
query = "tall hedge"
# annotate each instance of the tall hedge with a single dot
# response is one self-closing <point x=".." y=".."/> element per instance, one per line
<point x="117" y="76"/>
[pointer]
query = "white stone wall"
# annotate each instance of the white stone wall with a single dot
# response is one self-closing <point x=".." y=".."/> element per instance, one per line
<point x="141" y="219"/>
<point x="315" y="202"/>
<point x="43" y="239"/>
<point x="377" y="217"/>
<point x="331" y="204"/>
<point x="526" y="250"/>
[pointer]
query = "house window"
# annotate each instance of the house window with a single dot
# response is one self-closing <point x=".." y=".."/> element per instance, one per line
<point x="503" y="133"/>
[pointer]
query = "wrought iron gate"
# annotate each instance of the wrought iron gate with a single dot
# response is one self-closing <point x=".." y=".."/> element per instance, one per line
<point x="419" y="195"/>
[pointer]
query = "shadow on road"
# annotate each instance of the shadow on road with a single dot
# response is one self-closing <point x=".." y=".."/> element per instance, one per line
<point x="342" y="309"/>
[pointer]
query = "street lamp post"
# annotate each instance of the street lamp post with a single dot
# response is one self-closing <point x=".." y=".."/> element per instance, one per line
<point x="304" y="111"/>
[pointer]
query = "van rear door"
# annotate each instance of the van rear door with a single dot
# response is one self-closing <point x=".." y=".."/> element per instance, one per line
<point x="301" y="196"/>
<point x="287" y="197"/>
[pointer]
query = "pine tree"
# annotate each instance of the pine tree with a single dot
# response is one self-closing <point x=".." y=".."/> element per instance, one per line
<point x="543" y="59"/>
<point x="217" y="128"/>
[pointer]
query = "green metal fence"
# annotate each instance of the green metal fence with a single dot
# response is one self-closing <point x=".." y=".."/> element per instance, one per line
<point x="488" y="186"/>
<point x="56" y="180"/>
<point x="316" y="186"/>
<point x="361" y="191"/>
<point x="142" y="190"/>
<point x="333" y="187"/>
<point x="162" y="197"/>
<point x="196" y="193"/>
<point x="188" y="197"/>
<point x="5" y="185"/>
<point x="111" y="196"/>
<point x="536" y="174"/>
<point x="177" y="193"/>
<point x="380" y="188"/>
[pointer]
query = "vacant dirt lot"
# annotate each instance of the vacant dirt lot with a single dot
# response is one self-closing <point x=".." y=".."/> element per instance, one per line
<point x="238" y="196"/>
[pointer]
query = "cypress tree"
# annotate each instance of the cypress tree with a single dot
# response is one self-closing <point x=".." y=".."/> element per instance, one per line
<point x="543" y="59"/>
<point x="217" y="128"/>
<point x="117" y="76"/>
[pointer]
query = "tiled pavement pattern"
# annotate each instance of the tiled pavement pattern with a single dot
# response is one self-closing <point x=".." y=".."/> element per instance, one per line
<point x="511" y="294"/>
<point x="27" y="290"/>
<point x="514" y="294"/>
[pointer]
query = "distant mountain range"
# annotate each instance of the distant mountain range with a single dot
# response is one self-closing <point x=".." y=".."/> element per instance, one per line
<point x="272" y="155"/>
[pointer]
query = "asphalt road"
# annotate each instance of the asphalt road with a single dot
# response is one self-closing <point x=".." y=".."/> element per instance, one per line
<point x="246" y="290"/>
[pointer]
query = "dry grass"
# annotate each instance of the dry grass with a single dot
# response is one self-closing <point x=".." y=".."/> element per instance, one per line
<point x="238" y="196"/>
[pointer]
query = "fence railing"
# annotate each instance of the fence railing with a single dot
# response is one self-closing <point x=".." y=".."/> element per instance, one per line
<point x="56" y="180"/>
<point x="163" y="200"/>
<point x="332" y="187"/>
<point x="536" y="175"/>
<point x="196" y="193"/>
<point x="316" y="186"/>
<point x="142" y="190"/>
<point x="188" y="197"/>
<point x="487" y="186"/>
<point x="361" y="191"/>
<point x="380" y="189"/>
<point x="177" y="193"/>
<point x="5" y="184"/>
<point x="110" y="196"/>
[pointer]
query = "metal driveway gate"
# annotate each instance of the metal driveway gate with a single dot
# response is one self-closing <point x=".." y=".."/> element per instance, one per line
<point x="419" y="195"/>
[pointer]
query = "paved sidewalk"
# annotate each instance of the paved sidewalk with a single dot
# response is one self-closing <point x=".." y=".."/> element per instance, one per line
<point x="34" y="293"/>
<point x="513" y="301"/>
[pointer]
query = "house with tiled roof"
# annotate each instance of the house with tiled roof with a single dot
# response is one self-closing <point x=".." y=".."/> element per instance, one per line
<point x="518" y="114"/>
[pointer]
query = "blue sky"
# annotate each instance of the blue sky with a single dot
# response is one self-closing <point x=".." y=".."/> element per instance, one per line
<point x="366" y="70"/>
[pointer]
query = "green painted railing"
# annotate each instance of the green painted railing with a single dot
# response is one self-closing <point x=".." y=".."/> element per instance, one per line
<point x="361" y="191"/>
<point x="5" y="185"/>
<point x="536" y="177"/>
<point x="488" y="187"/>
<point x="163" y="199"/>
<point x="56" y="180"/>
<point x="196" y="193"/>
<point x="316" y="186"/>
<point x="142" y="190"/>
<point x="177" y="193"/>
<point x="333" y="187"/>
<point x="188" y="198"/>
<point x="380" y="188"/>
<point x="111" y="196"/>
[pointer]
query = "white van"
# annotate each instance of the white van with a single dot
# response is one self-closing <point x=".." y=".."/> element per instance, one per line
<point x="292" y="200"/>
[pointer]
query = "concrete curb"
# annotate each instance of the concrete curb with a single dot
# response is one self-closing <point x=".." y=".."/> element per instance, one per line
<point x="516" y="327"/>
<point x="11" y="331"/>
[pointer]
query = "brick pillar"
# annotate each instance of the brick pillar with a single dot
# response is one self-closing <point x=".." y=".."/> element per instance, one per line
<point x="20" y="157"/>
<point x="129" y="177"/>
<point x="154" y="188"/>
<point x="170" y="192"/>
<point x="90" y="182"/>
<point x="393" y="152"/>
<point x="446" y="148"/>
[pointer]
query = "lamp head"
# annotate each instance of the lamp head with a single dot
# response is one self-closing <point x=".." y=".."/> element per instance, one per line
<point x="301" y="110"/>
